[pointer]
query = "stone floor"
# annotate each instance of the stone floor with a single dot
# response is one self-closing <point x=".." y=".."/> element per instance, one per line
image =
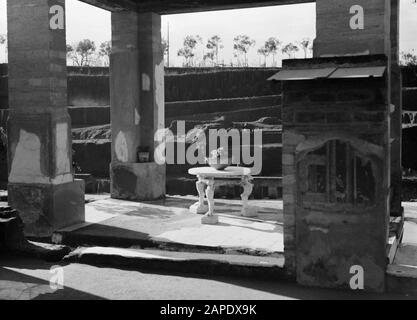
<point x="406" y="257"/>
<point x="410" y="224"/>
<point x="168" y="222"/>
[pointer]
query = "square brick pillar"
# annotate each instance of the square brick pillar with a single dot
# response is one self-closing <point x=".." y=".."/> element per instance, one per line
<point x="345" y="28"/>
<point x="41" y="182"/>
<point x="352" y="27"/>
<point x="379" y="34"/>
<point x="137" y="105"/>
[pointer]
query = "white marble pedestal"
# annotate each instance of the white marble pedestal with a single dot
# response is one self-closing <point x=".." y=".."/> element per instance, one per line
<point x="209" y="179"/>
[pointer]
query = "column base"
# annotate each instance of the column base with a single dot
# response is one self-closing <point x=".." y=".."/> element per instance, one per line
<point x="137" y="181"/>
<point x="196" y="208"/>
<point x="211" y="220"/>
<point x="250" y="212"/>
<point x="45" y="208"/>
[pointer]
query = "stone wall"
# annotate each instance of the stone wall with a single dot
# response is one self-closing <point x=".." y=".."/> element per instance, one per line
<point x="245" y="97"/>
<point x="221" y="84"/>
<point x="332" y="129"/>
<point x="88" y="90"/>
<point x="203" y="95"/>
<point x="90" y="87"/>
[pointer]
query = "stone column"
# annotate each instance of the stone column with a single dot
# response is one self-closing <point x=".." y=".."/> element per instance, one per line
<point x="396" y="116"/>
<point x="379" y="35"/>
<point x="137" y="104"/>
<point x="41" y="182"/>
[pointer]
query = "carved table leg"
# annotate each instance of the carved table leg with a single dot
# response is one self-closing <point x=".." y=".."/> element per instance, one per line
<point x="199" y="207"/>
<point x="247" y="211"/>
<point x="210" y="217"/>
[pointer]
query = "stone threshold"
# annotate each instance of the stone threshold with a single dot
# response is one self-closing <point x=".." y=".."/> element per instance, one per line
<point x="69" y="238"/>
<point x="184" y="262"/>
<point x="402" y="273"/>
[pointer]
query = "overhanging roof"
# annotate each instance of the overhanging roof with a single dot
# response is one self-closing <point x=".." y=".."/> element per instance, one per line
<point x="185" y="6"/>
<point x="329" y="72"/>
<point x="361" y="72"/>
<point x="302" y="74"/>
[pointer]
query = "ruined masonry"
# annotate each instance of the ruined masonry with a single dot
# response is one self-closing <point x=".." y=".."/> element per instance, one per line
<point x="342" y="136"/>
<point x="341" y="115"/>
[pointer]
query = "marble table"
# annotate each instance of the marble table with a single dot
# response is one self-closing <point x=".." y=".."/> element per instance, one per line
<point x="209" y="178"/>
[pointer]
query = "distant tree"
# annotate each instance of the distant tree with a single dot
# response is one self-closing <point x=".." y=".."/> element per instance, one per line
<point x="3" y="42"/>
<point x="214" y="45"/>
<point x="408" y="58"/>
<point x="209" y="56"/>
<point x="241" y="46"/>
<point x="105" y="52"/>
<point x="263" y="51"/>
<point x="85" y="49"/>
<point x="290" y="49"/>
<point x="82" y="53"/>
<point x="306" y="45"/>
<point x="273" y="45"/>
<point x="188" y="50"/>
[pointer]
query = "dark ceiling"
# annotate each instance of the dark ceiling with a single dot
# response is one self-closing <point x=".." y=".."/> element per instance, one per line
<point x="185" y="6"/>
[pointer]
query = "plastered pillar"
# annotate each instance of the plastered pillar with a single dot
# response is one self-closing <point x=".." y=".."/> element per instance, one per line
<point x="41" y="182"/>
<point x="137" y="104"/>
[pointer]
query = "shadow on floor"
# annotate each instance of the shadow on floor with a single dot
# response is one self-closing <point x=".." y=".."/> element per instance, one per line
<point x="18" y="286"/>
<point x="105" y="235"/>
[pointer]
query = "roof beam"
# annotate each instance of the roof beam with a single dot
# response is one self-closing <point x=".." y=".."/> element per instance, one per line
<point x="185" y="6"/>
<point x="188" y="6"/>
<point x="113" y="5"/>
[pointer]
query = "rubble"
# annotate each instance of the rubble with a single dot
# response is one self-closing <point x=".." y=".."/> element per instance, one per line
<point x="13" y="241"/>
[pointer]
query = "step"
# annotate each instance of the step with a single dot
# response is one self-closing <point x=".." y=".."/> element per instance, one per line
<point x="238" y="115"/>
<point x="396" y="231"/>
<point x="73" y="238"/>
<point x="181" y="109"/>
<point x="184" y="262"/>
<point x="402" y="273"/>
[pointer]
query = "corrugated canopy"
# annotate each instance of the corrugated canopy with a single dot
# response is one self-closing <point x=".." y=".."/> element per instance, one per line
<point x="302" y="74"/>
<point x="331" y="73"/>
<point x="362" y="72"/>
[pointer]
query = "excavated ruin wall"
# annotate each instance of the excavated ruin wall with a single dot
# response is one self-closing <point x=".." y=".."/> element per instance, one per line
<point x="204" y="94"/>
<point x="193" y="94"/>
<point x="90" y="88"/>
<point x="89" y="92"/>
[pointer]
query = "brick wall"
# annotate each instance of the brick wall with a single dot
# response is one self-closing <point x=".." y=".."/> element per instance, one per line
<point x="313" y="113"/>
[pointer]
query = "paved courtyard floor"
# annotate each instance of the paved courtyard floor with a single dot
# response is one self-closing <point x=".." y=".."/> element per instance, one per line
<point x="25" y="279"/>
<point x="170" y="222"/>
<point x="407" y="252"/>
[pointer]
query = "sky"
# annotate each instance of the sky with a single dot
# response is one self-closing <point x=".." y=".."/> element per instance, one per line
<point x="287" y="23"/>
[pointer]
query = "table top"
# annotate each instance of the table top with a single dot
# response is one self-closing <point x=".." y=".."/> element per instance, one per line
<point x="228" y="172"/>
